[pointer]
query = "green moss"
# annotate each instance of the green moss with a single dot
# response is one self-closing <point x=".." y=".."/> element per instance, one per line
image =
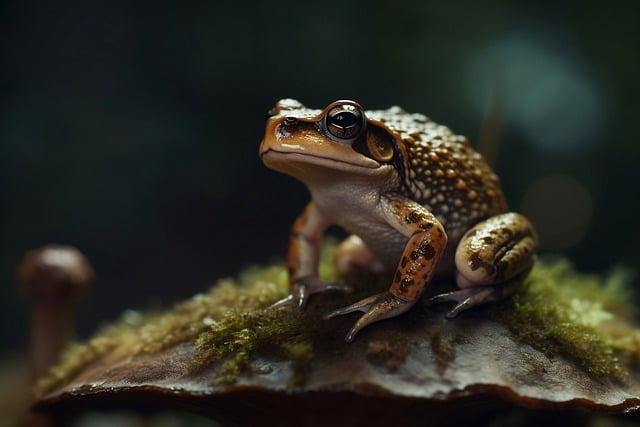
<point x="137" y="333"/>
<point x="300" y="353"/>
<point x="379" y="352"/>
<point x="232" y="308"/>
<point x="390" y="351"/>
<point x="442" y="344"/>
<point x="77" y="356"/>
<point x="557" y="310"/>
<point x="584" y="317"/>
<point x="245" y="335"/>
<point x="535" y="365"/>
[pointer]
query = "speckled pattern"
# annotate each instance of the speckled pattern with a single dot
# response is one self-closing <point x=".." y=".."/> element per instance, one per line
<point x="445" y="174"/>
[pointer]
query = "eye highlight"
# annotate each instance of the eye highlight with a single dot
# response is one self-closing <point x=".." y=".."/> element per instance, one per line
<point x="345" y="121"/>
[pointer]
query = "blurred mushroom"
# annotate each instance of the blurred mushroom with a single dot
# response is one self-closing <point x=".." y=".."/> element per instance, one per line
<point x="51" y="278"/>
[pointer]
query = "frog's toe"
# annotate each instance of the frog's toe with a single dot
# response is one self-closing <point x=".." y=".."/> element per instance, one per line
<point x="287" y="301"/>
<point x="471" y="297"/>
<point x="306" y="287"/>
<point x="464" y="299"/>
<point x="376" y="307"/>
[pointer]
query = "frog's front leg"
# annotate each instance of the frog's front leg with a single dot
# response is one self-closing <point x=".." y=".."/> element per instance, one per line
<point x="426" y="243"/>
<point x="492" y="259"/>
<point x="305" y="243"/>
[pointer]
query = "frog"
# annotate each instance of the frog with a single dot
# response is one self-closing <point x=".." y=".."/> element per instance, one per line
<point x="417" y="200"/>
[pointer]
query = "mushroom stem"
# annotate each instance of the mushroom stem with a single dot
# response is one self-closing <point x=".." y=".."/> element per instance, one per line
<point x="51" y="278"/>
<point x="50" y="330"/>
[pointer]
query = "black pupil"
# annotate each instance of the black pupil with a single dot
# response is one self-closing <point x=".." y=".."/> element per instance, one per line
<point x="345" y="119"/>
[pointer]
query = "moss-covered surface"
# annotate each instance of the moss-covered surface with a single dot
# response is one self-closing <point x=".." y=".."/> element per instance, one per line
<point x="443" y="345"/>
<point x="559" y="311"/>
<point x="230" y="321"/>
<point x="584" y="317"/>
<point x="240" y="336"/>
<point x="389" y="351"/>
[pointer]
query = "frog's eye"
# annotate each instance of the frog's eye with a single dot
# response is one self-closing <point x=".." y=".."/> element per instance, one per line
<point x="344" y="121"/>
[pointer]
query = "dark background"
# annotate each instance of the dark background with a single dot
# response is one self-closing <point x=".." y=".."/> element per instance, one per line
<point x="131" y="132"/>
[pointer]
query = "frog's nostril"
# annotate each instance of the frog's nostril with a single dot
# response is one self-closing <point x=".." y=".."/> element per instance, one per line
<point x="289" y="121"/>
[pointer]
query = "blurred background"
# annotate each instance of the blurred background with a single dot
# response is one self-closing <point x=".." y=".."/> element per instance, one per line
<point x="131" y="132"/>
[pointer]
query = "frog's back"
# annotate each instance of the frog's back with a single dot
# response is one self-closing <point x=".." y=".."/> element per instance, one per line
<point x="441" y="171"/>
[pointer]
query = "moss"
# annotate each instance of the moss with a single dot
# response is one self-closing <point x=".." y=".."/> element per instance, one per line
<point x="300" y="354"/>
<point x="389" y="352"/>
<point x="232" y="308"/>
<point x="245" y="335"/>
<point x="534" y="364"/>
<point x="584" y="317"/>
<point x="137" y="333"/>
<point x="379" y="352"/>
<point x="77" y="356"/>
<point x="442" y="344"/>
<point x="557" y="310"/>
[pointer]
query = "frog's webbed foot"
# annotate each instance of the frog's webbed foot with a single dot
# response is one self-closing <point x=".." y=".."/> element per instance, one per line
<point x="471" y="297"/>
<point x="376" y="307"/>
<point x="303" y="288"/>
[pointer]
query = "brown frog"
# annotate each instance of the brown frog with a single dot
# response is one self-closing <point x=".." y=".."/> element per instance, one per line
<point x="416" y="197"/>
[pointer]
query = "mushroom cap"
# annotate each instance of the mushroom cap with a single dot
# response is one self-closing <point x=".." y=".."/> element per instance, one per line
<point x="55" y="274"/>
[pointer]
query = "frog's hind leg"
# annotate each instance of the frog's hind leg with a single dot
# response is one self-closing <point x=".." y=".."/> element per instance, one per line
<point x="352" y="253"/>
<point x="492" y="259"/>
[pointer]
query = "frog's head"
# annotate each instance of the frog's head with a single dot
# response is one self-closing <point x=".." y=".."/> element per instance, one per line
<point x="313" y="145"/>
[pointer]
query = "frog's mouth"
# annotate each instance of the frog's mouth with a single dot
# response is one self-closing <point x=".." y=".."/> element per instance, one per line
<point x="281" y="152"/>
<point x="283" y="161"/>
